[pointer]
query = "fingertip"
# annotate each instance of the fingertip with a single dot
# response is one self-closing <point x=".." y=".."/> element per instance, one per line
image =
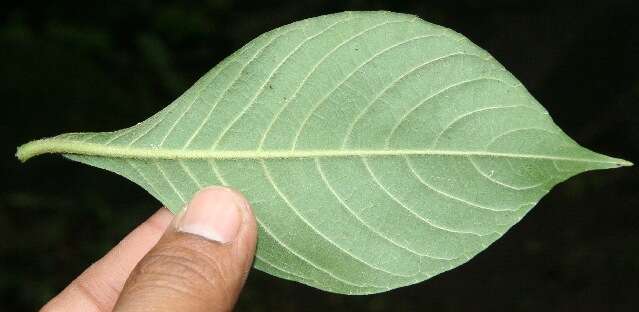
<point x="214" y="213"/>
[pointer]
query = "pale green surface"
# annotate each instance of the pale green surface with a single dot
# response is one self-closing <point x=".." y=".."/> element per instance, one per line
<point x="377" y="149"/>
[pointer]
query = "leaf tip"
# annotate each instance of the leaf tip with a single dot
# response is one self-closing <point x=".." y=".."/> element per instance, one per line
<point x="624" y="163"/>
<point x="618" y="163"/>
<point x="607" y="162"/>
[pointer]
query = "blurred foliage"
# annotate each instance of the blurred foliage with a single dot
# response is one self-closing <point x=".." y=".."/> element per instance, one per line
<point x="93" y="65"/>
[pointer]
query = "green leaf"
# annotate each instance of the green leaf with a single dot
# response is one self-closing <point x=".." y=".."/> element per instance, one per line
<point x="378" y="149"/>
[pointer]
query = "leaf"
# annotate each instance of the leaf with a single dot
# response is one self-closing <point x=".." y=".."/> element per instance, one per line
<point x="378" y="149"/>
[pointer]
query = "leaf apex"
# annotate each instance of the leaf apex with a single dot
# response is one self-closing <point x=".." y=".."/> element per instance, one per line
<point x="624" y="163"/>
<point x="617" y="162"/>
<point x="613" y="162"/>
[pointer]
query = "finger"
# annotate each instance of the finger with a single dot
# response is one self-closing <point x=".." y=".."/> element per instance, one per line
<point x="201" y="262"/>
<point x="99" y="286"/>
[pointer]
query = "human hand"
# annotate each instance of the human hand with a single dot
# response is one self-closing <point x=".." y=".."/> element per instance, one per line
<point x="195" y="261"/>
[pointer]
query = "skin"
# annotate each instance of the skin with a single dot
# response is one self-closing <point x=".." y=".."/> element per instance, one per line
<point x="160" y="267"/>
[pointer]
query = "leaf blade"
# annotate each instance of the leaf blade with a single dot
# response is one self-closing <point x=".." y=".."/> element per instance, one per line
<point x="396" y="149"/>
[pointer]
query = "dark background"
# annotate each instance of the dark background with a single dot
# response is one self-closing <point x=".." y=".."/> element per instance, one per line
<point x="91" y="66"/>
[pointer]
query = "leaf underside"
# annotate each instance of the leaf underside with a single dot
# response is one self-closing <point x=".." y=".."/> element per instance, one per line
<point x="377" y="149"/>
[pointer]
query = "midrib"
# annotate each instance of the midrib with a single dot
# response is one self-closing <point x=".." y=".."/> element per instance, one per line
<point x="54" y="145"/>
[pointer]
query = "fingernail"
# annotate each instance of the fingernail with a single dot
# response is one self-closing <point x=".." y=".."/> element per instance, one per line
<point x="214" y="213"/>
